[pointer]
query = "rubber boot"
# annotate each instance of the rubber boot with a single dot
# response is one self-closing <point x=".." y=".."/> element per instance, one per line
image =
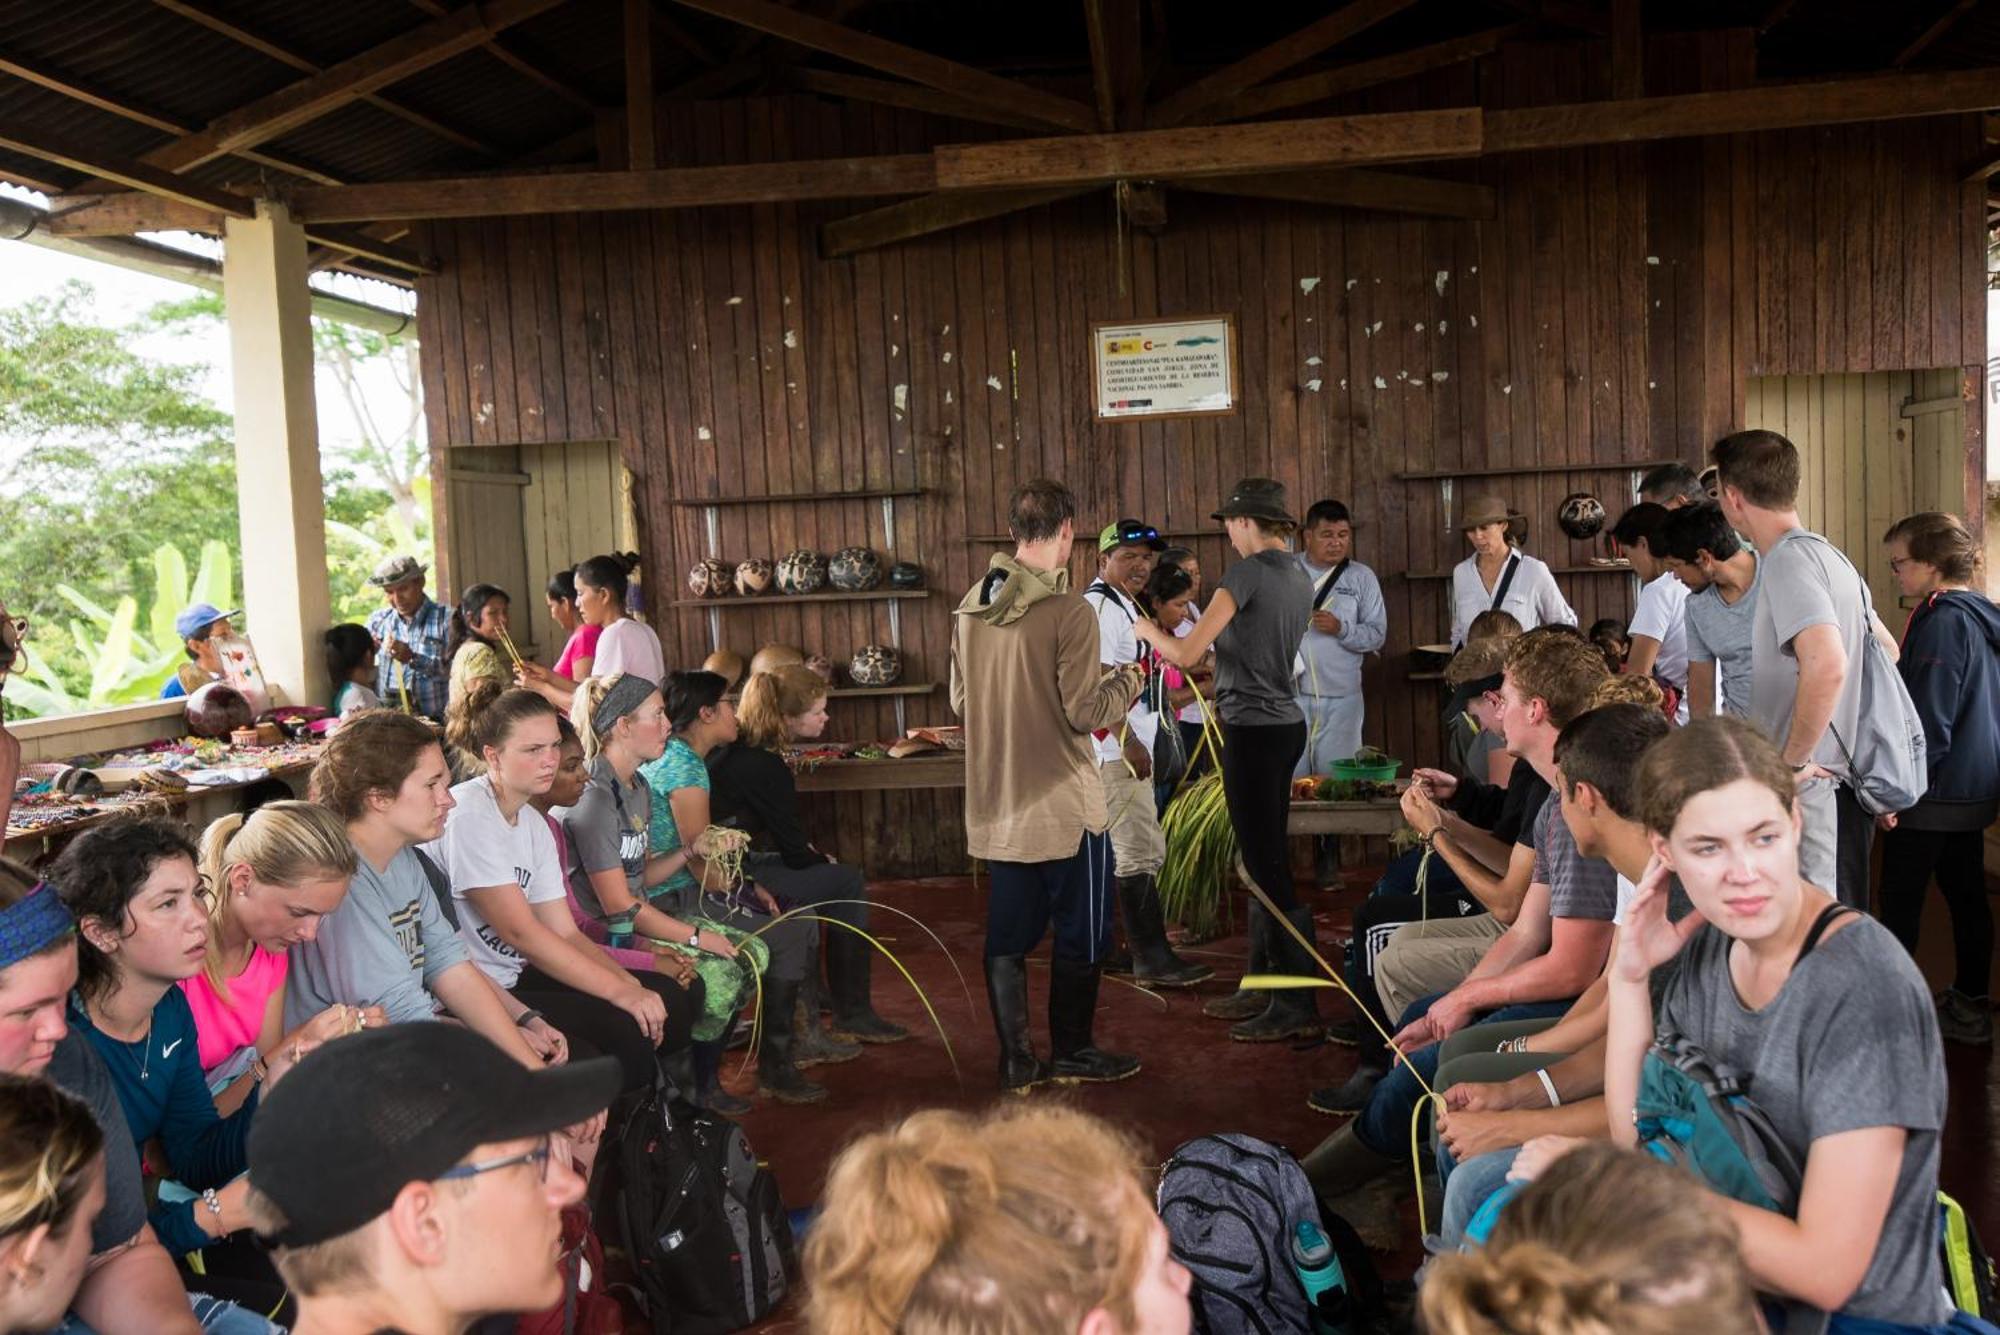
<point x="777" y="1065"/>
<point x="1293" y="1012"/>
<point x="1326" y="861"/>
<point x="1154" y="963"/>
<point x="677" y="1066"/>
<point x="1072" y="1016"/>
<point x="1351" y="1095"/>
<point x="708" y="1090"/>
<point x="1357" y="1184"/>
<point x="1242" y="1004"/>
<point x="849" y="967"/>
<point x="1007" y="996"/>
<point x="812" y="1045"/>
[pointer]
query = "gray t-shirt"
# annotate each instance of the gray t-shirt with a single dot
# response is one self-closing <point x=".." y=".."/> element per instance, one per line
<point x="1255" y="651"/>
<point x="1579" y="887"/>
<point x="1719" y="633"/>
<point x="77" y="1069"/>
<point x="1850" y="1042"/>
<point x="607" y="830"/>
<point x="1806" y="582"/>
<point x="384" y="946"/>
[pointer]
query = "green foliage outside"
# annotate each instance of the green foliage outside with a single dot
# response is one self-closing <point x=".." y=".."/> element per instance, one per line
<point x="116" y="471"/>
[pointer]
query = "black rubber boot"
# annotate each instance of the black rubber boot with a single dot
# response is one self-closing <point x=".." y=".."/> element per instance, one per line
<point x="849" y="967"/>
<point x="1072" y="1016"/>
<point x="1241" y="1004"/>
<point x="1351" y="1095"/>
<point x="1359" y="1185"/>
<point x="708" y="1090"/>
<point x="1154" y="963"/>
<point x="677" y="1066"/>
<point x="1326" y="861"/>
<point x="1007" y="996"/>
<point x="1294" y="1011"/>
<point x="813" y="1046"/>
<point x="777" y="1065"/>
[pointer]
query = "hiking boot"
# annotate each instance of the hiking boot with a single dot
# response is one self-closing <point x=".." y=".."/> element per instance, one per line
<point x="1154" y="963"/>
<point x="1293" y="1012"/>
<point x="777" y="1065"/>
<point x="1963" y="1019"/>
<point x="708" y="1090"/>
<point x="1349" y="1033"/>
<point x="1007" y="997"/>
<point x="1348" y="1097"/>
<point x="849" y="962"/>
<point x="1073" y="986"/>
<point x="814" y="1046"/>
<point x="1238" y="1005"/>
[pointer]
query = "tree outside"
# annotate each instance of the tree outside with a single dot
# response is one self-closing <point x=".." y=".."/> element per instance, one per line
<point x="118" y="505"/>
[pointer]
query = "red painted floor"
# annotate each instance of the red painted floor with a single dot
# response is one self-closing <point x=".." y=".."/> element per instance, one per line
<point x="1195" y="1079"/>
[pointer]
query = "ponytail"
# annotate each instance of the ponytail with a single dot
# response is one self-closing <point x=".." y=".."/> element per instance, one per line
<point x="590" y="693"/>
<point x="772" y="697"/>
<point x="284" y="844"/>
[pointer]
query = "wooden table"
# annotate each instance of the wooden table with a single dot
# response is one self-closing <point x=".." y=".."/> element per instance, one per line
<point x="198" y="805"/>
<point x="1378" y="816"/>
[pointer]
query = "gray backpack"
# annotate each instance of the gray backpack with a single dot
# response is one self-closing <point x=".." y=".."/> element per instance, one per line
<point x="1888" y="760"/>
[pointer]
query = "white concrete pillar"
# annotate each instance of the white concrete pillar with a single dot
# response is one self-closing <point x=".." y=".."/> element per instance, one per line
<point x="280" y="499"/>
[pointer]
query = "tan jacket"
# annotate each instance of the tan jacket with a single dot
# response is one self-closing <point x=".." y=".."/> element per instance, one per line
<point x="1025" y="678"/>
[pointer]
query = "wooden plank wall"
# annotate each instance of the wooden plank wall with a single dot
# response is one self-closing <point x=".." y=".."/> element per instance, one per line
<point x="1615" y="310"/>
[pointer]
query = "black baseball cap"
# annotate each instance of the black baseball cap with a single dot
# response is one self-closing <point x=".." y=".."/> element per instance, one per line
<point x="363" y="1117"/>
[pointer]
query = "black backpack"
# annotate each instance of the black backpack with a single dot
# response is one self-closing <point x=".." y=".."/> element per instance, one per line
<point x="701" y="1220"/>
<point x="1230" y="1203"/>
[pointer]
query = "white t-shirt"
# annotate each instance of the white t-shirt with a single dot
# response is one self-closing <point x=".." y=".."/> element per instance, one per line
<point x="1190" y="712"/>
<point x="629" y="646"/>
<point x="479" y="849"/>
<point x="354" y="697"/>
<point x="1117" y="643"/>
<point x="1659" y="614"/>
<point x="1625" y="892"/>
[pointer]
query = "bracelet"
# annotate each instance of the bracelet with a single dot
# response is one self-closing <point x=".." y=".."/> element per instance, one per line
<point x="258" y="1070"/>
<point x="1549" y="1087"/>
<point x="526" y="1018"/>
<point x="212" y="1201"/>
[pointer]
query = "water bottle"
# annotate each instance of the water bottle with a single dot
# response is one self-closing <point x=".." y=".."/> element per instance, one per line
<point x="1319" y="1272"/>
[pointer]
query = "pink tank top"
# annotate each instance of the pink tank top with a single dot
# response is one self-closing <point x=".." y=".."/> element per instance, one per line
<point x="222" y="1028"/>
<point x="582" y="644"/>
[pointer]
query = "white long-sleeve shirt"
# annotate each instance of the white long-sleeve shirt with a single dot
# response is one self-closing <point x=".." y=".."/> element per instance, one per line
<point x="1332" y="663"/>
<point x="1532" y="599"/>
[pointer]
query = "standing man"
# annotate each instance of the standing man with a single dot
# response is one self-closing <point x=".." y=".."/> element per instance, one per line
<point x="1658" y="633"/>
<point x="1811" y="616"/>
<point x="201" y="628"/>
<point x="1705" y="554"/>
<point x="1672" y="486"/>
<point x="1125" y="554"/>
<point x="1026" y="678"/>
<point x="1349" y="622"/>
<point x="409" y="639"/>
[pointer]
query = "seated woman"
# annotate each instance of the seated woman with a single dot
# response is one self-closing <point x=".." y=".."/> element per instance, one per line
<point x="461" y="726"/>
<point x="580" y="648"/>
<point x="350" y="669"/>
<point x="272" y="877"/>
<point x="140" y="905"/>
<point x="622" y="644"/>
<point x="476" y="644"/>
<point x="1606" y="1240"/>
<point x="51" y="1191"/>
<point x="703" y="720"/>
<point x="513" y="905"/>
<point x="754" y="790"/>
<point x="1819" y="1006"/>
<point x="622" y="723"/>
<point x="1028" y="1217"/>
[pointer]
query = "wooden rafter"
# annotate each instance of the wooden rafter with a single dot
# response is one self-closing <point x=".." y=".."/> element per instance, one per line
<point x="197" y="11"/>
<point x="640" y="153"/>
<point x="1945" y="21"/>
<point x="674" y="31"/>
<point x="137" y="211"/>
<point x="1379" y="191"/>
<point x="64" y="151"/>
<point x="529" y="66"/>
<point x="1359" y="74"/>
<point x="1234" y="79"/>
<point x="1117" y="71"/>
<point x="314" y="96"/>
<point x="912" y="96"/>
<point x="905" y="62"/>
<point x="931" y="213"/>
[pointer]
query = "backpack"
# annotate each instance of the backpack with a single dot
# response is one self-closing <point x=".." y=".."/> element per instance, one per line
<point x="1888" y="758"/>
<point x="587" y="1307"/>
<point x="700" y="1219"/>
<point x="1229" y="1203"/>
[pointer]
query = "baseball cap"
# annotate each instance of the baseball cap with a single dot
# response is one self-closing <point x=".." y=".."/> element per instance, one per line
<point x="1473" y="671"/>
<point x="1130" y="533"/>
<point x="363" y="1117"/>
<point x="199" y="618"/>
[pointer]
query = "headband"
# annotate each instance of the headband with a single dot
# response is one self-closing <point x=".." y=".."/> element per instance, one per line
<point x="626" y="694"/>
<point x="32" y="925"/>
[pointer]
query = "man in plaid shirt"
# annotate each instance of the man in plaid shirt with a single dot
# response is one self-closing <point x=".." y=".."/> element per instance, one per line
<point x="409" y="639"/>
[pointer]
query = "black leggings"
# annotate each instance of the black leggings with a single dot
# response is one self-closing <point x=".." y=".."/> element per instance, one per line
<point x="1909" y="857"/>
<point x="595" y="1027"/>
<point x="1257" y="765"/>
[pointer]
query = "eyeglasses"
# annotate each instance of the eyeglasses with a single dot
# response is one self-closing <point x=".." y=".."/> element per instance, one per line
<point x="538" y="1155"/>
<point x="1896" y="563"/>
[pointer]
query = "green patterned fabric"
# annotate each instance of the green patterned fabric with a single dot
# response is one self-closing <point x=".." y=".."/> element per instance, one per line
<point x="679" y="767"/>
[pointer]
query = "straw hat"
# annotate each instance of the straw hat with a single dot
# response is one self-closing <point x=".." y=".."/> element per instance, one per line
<point x="1483" y="510"/>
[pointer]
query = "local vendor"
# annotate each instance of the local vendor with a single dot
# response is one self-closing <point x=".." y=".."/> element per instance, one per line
<point x="202" y="629"/>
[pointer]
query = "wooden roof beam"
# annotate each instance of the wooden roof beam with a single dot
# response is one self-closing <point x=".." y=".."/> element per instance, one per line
<point x="913" y="218"/>
<point x="1380" y="191"/>
<point x="1360" y="74"/>
<point x="641" y="154"/>
<point x="1117" y="67"/>
<point x="303" y="102"/>
<point x="911" y="96"/>
<point x="1945" y="21"/>
<point x="1234" y="79"/>
<point x="528" y="67"/>
<point x="131" y="173"/>
<point x="125" y="213"/>
<point x="905" y="62"/>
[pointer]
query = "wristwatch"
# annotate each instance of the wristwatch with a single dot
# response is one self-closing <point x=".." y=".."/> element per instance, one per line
<point x="526" y="1018"/>
<point x="694" y="939"/>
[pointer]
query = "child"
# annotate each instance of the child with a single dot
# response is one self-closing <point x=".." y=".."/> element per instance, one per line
<point x="350" y="666"/>
<point x="1612" y="641"/>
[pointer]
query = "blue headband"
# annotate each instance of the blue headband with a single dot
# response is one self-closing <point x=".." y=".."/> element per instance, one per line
<point x="33" y="925"/>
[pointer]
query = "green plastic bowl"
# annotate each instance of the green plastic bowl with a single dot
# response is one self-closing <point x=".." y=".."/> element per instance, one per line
<point x="1383" y="773"/>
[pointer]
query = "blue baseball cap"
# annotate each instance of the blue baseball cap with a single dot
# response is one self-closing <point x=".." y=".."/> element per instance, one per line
<point x="200" y="617"/>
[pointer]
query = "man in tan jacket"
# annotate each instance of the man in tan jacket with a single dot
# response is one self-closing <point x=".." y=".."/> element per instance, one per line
<point x="1025" y="678"/>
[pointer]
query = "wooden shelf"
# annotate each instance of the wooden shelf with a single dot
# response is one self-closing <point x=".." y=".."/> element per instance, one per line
<point x="1426" y="676"/>
<point x="864" y="692"/>
<point x="771" y="599"/>
<point x="1533" y="470"/>
<point x="1615" y="568"/>
<point x="1001" y="539"/>
<point x="775" y="498"/>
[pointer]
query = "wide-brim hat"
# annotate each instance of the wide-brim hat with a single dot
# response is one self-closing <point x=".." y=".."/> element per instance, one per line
<point x="1483" y="510"/>
<point x="397" y="570"/>
<point x="1257" y="498"/>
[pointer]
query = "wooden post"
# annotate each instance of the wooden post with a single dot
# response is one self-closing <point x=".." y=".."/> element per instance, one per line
<point x="280" y="499"/>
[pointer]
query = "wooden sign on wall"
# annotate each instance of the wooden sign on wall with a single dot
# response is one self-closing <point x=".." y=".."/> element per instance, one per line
<point x="1165" y="368"/>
